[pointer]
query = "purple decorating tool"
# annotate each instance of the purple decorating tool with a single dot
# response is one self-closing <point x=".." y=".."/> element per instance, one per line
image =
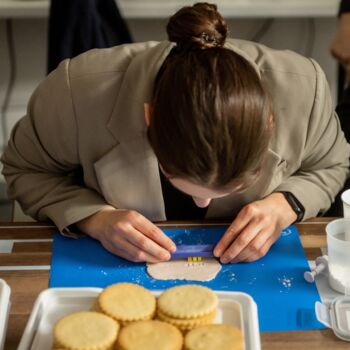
<point x="193" y="252"/>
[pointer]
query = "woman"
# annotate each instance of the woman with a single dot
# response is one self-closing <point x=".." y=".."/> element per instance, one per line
<point x="197" y="126"/>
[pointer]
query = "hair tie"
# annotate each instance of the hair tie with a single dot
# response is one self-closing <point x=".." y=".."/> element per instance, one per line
<point x="206" y="37"/>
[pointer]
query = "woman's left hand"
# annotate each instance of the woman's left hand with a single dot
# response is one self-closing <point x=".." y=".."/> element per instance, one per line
<point x="257" y="226"/>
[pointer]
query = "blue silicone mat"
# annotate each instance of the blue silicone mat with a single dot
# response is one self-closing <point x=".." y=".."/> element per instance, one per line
<point x="285" y="301"/>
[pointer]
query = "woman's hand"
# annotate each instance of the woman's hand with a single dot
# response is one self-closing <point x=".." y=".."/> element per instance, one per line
<point x="340" y="47"/>
<point x="128" y="234"/>
<point x="257" y="226"/>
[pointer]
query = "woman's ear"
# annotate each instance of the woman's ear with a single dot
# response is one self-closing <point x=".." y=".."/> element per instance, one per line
<point x="147" y="109"/>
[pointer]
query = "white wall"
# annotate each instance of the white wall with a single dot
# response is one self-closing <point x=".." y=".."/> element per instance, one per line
<point x="30" y="44"/>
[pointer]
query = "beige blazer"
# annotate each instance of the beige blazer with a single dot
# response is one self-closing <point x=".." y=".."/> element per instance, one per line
<point x="83" y="141"/>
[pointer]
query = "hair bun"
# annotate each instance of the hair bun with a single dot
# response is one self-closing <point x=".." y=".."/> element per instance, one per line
<point x="198" y="26"/>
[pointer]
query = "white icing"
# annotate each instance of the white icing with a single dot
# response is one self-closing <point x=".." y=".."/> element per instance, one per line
<point x="206" y="270"/>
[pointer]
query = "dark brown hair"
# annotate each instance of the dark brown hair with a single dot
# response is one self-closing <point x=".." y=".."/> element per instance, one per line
<point x="210" y="119"/>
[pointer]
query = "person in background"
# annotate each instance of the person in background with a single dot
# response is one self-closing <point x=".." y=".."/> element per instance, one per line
<point x="199" y="126"/>
<point x="80" y="25"/>
<point x="340" y="49"/>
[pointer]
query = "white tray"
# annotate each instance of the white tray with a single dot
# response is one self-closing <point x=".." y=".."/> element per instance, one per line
<point x="54" y="303"/>
<point x="4" y="310"/>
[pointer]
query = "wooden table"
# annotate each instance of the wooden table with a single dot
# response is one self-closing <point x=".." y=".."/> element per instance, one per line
<point x="27" y="284"/>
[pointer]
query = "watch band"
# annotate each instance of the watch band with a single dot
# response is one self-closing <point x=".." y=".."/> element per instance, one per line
<point x="295" y="205"/>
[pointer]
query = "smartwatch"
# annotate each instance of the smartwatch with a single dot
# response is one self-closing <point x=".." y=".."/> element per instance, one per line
<point x="295" y="205"/>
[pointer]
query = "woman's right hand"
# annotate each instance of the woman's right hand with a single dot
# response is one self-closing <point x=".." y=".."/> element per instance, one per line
<point x="128" y="234"/>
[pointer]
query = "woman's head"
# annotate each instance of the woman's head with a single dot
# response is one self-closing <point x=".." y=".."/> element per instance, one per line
<point x="210" y="113"/>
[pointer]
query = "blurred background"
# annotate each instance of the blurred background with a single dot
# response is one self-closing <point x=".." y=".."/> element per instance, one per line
<point x="305" y="26"/>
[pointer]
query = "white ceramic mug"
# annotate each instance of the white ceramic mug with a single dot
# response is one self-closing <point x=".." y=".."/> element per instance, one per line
<point x="345" y="197"/>
<point x="338" y="246"/>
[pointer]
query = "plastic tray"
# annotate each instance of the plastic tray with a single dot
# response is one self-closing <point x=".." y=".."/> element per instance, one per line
<point x="234" y="308"/>
<point x="4" y="310"/>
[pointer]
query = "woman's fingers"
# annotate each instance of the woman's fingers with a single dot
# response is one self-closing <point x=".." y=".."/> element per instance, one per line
<point x="255" y="229"/>
<point x="128" y="234"/>
<point x="145" y="244"/>
<point x="128" y="251"/>
<point x="242" y="219"/>
<point x="153" y="232"/>
<point x="257" y="248"/>
<point x="242" y="241"/>
<point x="124" y="231"/>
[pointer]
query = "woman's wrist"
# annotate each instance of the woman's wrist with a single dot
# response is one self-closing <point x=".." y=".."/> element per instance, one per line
<point x="93" y="223"/>
<point x="287" y="215"/>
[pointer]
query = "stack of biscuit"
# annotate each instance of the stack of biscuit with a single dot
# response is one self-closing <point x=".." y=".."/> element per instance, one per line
<point x="127" y="302"/>
<point x="187" y="309"/>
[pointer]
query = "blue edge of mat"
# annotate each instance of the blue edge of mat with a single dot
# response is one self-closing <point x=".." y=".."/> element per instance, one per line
<point x="285" y="301"/>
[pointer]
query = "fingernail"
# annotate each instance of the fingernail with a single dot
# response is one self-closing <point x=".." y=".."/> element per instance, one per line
<point x="172" y="248"/>
<point x="217" y="252"/>
<point x="165" y="256"/>
<point x="224" y="260"/>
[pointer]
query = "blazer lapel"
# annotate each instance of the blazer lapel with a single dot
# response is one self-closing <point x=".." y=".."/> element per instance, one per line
<point x="128" y="176"/>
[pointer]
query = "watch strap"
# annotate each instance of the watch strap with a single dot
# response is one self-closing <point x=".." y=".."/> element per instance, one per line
<point x="295" y="205"/>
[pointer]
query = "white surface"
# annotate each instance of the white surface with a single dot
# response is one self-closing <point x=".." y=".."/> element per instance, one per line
<point x="162" y="9"/>
<point x="345" y="197"/>
<point x="4" y="310"/>
<point x="334" y="316"/>
<point x="326" y="312"/>
<point x="338" y="254"/>
<point x="54" y="303"/>
<point x="327" y="294"/>
<point x="6" y="246"/>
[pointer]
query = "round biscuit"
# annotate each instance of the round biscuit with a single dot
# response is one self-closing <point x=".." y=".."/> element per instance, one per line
<point x="85" y="330"/>
<point x="150" y="335"/>
<point x="213" y="337"/>
<point x="187" y="301"/>
<point x="127" y="302"/>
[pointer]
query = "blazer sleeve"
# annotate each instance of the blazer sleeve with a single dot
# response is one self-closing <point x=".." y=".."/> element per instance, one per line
<point x="41" y="160"/>
<point x="325" y="160"/>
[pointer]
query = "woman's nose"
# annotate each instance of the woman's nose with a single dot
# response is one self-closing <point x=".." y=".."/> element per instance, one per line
<point x="202" y="203"/>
